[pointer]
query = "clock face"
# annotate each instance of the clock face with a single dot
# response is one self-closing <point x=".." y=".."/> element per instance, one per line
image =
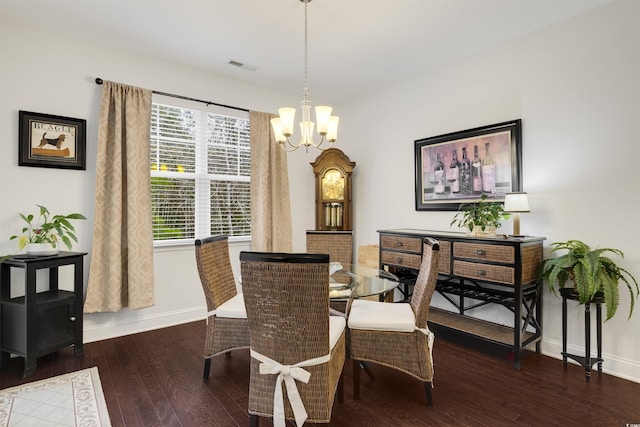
<point x="333" y="185"/>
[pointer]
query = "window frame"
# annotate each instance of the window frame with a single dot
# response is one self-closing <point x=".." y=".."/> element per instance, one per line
<point x="201" y="178"/>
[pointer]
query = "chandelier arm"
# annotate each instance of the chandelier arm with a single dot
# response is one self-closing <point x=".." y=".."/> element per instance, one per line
<point x="288" y="150"/>
<point x="306" y="146"/>
<point x="322" y="140"/>
<point x="325" y="148"/>
<point x="295" y="146"/>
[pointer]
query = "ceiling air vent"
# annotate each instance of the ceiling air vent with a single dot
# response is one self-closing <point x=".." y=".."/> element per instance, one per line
<point x="242" y="65"/>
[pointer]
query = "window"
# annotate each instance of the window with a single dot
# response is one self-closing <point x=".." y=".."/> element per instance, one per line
<point x="200" y="171"/>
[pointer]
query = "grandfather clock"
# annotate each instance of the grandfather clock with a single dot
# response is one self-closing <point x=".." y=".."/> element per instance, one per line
<point x="333" y="190"/>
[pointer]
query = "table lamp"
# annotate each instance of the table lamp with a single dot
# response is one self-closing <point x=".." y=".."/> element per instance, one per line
<point x="515" y="203"/>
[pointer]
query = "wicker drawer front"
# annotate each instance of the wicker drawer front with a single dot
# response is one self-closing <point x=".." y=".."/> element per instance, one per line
<point x="497" y="253"/>
<point x="405" y="244"/>
<point x="402" y="259"/>
<point x="488" y="272"/>
<point x="445" y="257"/>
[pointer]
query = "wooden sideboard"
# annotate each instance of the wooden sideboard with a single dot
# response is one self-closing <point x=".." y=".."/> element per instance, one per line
<point x="475" y="272"/>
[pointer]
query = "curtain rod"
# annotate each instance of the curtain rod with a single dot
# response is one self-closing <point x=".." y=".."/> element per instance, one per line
<point x="100" y="81"/>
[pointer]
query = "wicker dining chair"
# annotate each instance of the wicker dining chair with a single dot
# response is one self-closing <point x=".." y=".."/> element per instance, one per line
<point x="338" y="244"/>
<point x="396" y="335"/>
<point x="227" y="326"/>
<point x="287" y="300"/>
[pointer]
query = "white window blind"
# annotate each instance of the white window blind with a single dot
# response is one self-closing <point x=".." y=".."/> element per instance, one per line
<point x="200" y="170"/>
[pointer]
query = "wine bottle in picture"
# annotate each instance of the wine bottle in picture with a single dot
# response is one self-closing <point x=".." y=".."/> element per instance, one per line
<point x="488" y="172"/>
<point x="453" y="173"/>
<point x="476" y="174"/>
<point x="439" y="173"/>
<point x="465" y="173"/>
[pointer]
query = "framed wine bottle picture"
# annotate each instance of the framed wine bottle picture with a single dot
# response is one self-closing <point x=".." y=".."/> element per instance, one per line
<point x="460" y="167"/>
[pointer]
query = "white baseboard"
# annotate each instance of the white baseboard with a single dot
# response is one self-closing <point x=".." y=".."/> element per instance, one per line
<point x="94" y="331"/>
<point x="612" y="365"/>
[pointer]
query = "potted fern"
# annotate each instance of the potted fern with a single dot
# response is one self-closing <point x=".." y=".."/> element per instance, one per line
<point x="591" y="272"/>
<point x="481" y="218"/>
<point x="43" y="232"/>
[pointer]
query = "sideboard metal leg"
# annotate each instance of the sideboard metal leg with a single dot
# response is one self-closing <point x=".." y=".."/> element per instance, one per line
<point x="564" y="331"/>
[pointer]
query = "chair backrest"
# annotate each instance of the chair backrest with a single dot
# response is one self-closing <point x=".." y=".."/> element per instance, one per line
<point x="369" y="255"/>
<point x="287" y="301"/>
<point x="338" y="244"/>
<point x="214" y="267"/>
<point x="426" y="281"/>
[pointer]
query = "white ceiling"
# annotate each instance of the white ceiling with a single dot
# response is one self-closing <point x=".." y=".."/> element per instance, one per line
<point x="355" y="46"/>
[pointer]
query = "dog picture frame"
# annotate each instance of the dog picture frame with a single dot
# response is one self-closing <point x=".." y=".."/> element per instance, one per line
<point x="50" y="141"/>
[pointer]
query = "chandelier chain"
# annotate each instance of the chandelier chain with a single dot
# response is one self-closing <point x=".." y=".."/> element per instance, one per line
<point x="306" y="49"/>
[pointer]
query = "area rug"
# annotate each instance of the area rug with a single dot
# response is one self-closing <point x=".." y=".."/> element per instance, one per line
<point x="74" y="399"/>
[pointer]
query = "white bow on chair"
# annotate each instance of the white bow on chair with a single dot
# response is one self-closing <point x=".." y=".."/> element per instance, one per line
<point x="288" y="373"/>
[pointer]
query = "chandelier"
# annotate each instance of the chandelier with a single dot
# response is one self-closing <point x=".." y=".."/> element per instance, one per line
<point x="327" y="124"/>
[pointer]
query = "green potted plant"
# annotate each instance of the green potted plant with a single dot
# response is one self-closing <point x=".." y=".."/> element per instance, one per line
<point x="482" y="218"/>
<point x="43" y="233"/>
<point x="592" y="273"/>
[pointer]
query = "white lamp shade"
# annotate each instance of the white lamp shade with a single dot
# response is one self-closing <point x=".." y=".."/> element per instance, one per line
<point x="323" y="115"/>
<point x="332" y="134"/>
<point x="306" y="128"/>
<point x="277" y="129"/>
<point x="287" y="117"/>
<point x="516" y="202"/>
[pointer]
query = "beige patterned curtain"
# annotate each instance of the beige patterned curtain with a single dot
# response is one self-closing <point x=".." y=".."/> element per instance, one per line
<point x="270" y="204"/>
<point x="121" y="272"/>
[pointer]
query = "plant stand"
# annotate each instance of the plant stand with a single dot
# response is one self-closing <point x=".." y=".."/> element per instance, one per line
<point x="587" y="361"/>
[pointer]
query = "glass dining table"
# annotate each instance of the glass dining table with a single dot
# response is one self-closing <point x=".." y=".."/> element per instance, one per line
<point x="350" y="281"/>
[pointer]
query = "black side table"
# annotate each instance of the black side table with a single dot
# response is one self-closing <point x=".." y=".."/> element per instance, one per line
<point x="34" y="323"/>
<point x="587" y="361"/>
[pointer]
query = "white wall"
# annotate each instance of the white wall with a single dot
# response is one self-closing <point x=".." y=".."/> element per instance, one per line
<point x="52" y="74"/>
<point x="573" y="84"/>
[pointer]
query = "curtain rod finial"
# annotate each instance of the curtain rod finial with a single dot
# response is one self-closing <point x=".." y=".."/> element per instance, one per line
<point x="98" y="80"/>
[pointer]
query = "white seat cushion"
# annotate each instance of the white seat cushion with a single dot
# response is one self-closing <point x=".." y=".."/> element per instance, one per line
<point x="381" y="316"/>
<point x="336" y="327"/>
<point x="233" y="308"/>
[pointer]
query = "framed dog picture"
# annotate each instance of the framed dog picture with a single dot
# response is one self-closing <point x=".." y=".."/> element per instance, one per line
<point x="49" y="141"/>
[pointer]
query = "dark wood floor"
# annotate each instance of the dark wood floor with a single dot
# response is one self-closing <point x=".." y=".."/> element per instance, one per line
<point x="155" y="379"/>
